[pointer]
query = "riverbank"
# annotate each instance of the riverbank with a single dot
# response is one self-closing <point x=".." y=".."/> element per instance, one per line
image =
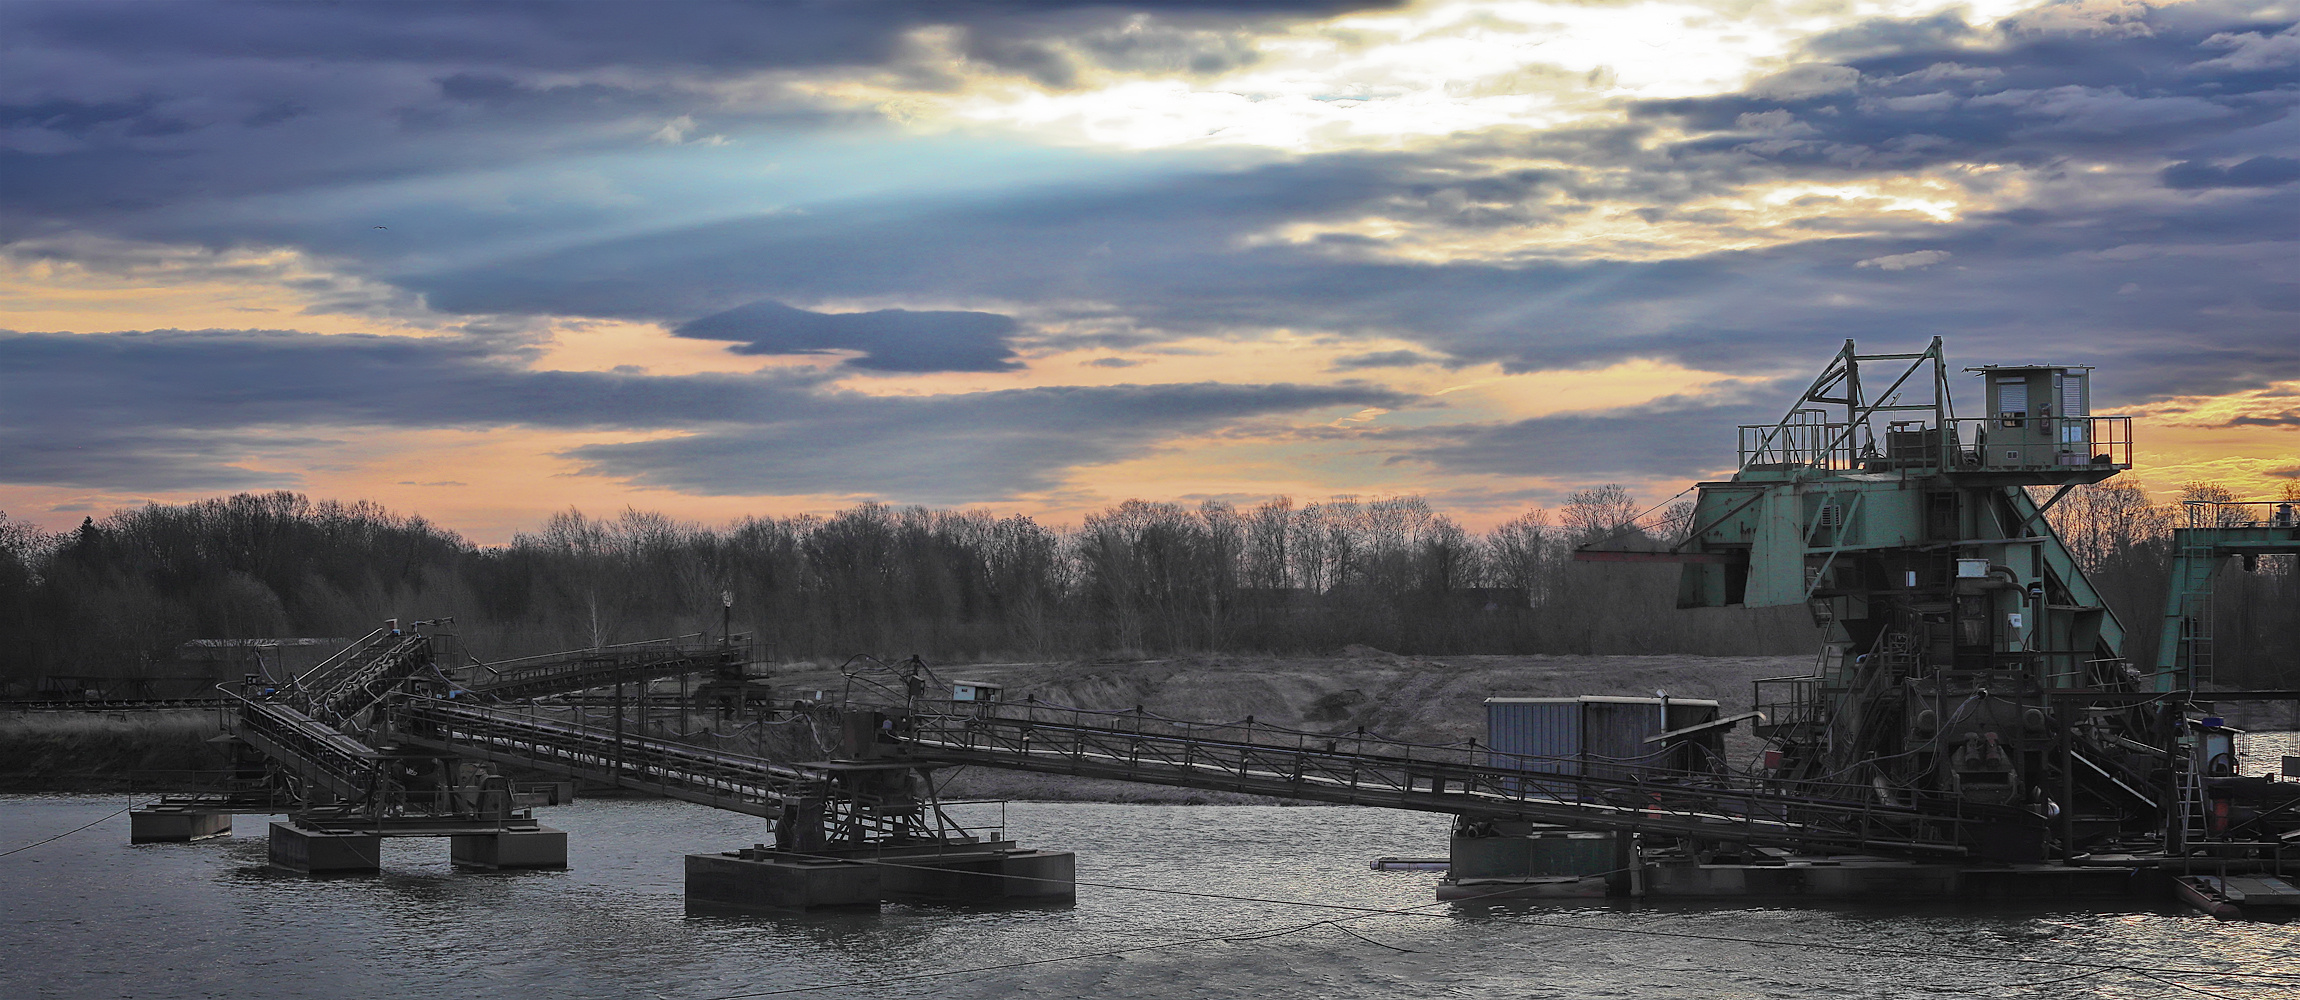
<point x="104" y="752"/>
<point x="1419" y="698"/>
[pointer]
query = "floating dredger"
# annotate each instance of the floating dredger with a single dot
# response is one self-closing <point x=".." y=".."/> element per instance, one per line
<point x="1974" y="726"/>
<point x="1971" y="674"/>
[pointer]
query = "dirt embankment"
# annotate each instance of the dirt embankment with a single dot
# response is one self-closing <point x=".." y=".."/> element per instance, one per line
<point x="1423" y="699"/>
<point x="89" y="752"/>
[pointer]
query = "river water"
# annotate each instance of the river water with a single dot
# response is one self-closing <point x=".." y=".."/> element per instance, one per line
<point x="91" y="916"/>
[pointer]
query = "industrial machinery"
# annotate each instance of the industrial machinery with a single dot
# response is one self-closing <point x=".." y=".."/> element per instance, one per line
<point x="1966" y="656"/>
<point x="1974" y="724"/>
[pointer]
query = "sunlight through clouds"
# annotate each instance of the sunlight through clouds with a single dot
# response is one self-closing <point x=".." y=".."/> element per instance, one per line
<point x="776" y="257"/>
<point x="1388" y="79"/>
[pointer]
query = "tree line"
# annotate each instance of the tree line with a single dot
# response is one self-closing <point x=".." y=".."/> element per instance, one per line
<point x="1141" y="578"/>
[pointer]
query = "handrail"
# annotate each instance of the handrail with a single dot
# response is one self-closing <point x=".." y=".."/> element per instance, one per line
<point x="1964" y="444"/>
<point x="2241" y="513"/>
<point x="1029" y="736"/>
<point x="580" y="669"/>
<point x="723" y="780"/>
<point x="354" y="648"/>
<point x="591" y="651"/>
<point x="1457" y="785"/>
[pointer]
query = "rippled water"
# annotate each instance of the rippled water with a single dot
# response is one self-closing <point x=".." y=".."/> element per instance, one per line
<point x="92" y="916"/>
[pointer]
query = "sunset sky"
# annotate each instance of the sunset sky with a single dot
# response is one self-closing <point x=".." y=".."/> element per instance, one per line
<point x="488" y="261"/>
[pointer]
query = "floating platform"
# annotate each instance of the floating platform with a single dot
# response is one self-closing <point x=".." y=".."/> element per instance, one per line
<point x="318" y="852"/>
<point x="315" y="850"/>
<point x="763" y="879"/>
<point x="2240" y="897"/>
<point x="540" y="847"/>
<point x="1388" y="864"/>
<point x="1850" y="877"/>
<point x="162" y="824"/>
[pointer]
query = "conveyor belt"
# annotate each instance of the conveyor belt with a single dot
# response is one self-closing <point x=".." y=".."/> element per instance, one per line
<point x="1435" y="779"/>
<point x="583" y="669"/>
<point x="727" y="781"/>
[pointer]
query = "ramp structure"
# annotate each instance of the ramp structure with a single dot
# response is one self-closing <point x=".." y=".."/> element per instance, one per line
<point x="605" y="666"/>
<point x="324" y="759"/>
<point x="1368" y="770"/>
<point x="721" y="780"/>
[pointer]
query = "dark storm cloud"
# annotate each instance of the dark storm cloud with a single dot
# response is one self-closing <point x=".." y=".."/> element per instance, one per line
<point x="1164" y="255"/>
<point x="218" y="379"/>
<point x="1386" y="359"/>
<point x="143" y="460"/>
<point x="954" y="449"/>
<point x="727" y="36"/>
<point x="1925" y="92"/>
<point x="2123" y="287"/>
<point x="2259" y="171"/>
<point x="894" y="340"/>
<point x="1670" y="438"/>
<point x="167" y="410"/>
<point x="2167" y="274"/>
<point x="2288" y="418"/>
<point x="123" y="108"/>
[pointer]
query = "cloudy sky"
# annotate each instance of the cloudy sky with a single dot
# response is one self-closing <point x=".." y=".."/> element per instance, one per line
<point x="485" y="261"/>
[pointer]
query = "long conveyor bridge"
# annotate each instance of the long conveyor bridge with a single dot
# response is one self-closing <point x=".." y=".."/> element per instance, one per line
<point x="1362" y="769"/>
<point x="712" y="777"/>
<point x="603" y="666"/>
<point x="1351" y="768"/>
<point x="418" y="711"/>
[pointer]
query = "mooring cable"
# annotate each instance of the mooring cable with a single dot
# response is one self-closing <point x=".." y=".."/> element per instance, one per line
<point x="2185" y="986"/>
<point x="1363" y="912"/>
<point x="1111" y="953"/>
<point x="2090" y="969"/>
<point x="64" y="834"/>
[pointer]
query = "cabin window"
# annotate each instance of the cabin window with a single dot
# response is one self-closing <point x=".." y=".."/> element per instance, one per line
<point x="2012" y="401"/>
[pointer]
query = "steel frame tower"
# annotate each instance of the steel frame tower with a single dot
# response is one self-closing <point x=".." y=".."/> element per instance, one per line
<point x="1966" y="653"/>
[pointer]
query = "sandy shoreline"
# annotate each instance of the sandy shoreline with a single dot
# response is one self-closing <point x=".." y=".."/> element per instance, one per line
<point x="1423" y="699"/>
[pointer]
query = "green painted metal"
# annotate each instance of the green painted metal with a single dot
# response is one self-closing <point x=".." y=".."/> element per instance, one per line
<point x="2216" y="531"/>
<point x="1953" y="614"/>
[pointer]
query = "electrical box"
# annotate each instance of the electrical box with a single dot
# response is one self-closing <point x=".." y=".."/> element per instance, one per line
<point x="974" y="691"/>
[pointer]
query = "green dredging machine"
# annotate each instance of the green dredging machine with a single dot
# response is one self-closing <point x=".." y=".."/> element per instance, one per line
<point x="1967" y="658"/>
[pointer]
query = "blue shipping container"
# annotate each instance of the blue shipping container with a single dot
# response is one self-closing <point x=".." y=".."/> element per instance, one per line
<point x="1594" y="735"/>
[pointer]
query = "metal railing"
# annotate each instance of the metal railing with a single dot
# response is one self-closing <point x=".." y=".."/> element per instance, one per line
<point x="360" y="684"/>
<point x="582" y="669"/>
<point x="318" y="677"/>
<point x="736" y="782"/>
<point x="1810" y="441"/>
<point x="1366" y="769"/>
<point x="323" y="761"/>
<point x="1803" y="438"/>
<point x="1791" y="704"/>
<point x="2042" y="443"/>
<point x="2241" y="513"/>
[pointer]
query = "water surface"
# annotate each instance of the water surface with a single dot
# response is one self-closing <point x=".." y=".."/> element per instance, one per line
<point x="92" y="916"/>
